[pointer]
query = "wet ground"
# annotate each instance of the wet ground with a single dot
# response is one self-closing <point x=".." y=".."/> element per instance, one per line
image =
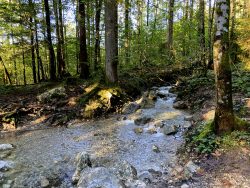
<point x="110" y="140"/>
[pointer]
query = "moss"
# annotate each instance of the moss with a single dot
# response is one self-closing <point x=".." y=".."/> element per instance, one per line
<point x="241" y="125"/>
<point x="206" y="130"/>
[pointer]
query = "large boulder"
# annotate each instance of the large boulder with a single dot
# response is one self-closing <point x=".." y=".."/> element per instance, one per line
<point x="170" y="129"/>
<point x="130" y="108"/>
<point x="99" y="177"/>
<point x="143" y="120"/>
<point x="124" y="171"/>
<point x="58" y="92"/>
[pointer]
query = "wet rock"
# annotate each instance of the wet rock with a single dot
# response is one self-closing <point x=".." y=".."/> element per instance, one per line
<point x="156" y="149"/>
<point x="170" y="129"/>
<point x="138" y="130"/>
<point x="188" y="118"/>
<point x="147" y="100"/>
<point x="159" y="124"/>
<point x="58" y="92"/>
<point x="124" y="171"/>
<point x="44" y="182"/>
<point x="136" y="184"/>
<point x="152" y="95"/>
<point x="152" y="130"/>
<point x="130" y="108"/>
<point x="184" y="185"/>
<point x="143" y="120"/>
<point x="180" y="105"/>
<point x="155" y="173"/>
<point x="187" y="125"/>
<point x="6" y="165"/>
<point x="162" y="93"/>
<point x="4" y="147"/>
<point x="146" y="177"/>
<point x="98" y="177"/>
<point x="82" y="161"/>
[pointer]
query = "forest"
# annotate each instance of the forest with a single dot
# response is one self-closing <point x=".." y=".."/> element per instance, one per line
<point x="124" y="93"/>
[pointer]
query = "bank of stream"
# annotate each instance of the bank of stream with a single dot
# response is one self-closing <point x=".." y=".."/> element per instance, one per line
<point x="45" y="158"/>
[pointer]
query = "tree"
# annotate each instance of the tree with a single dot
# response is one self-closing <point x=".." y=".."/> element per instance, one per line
<point x="126" y="45"/>
<point x="111" y="40"/>
<point x="83" y="55"/>
<point x="224" y="116"/>
<point x="49" y="42"/>
<point x="201" y="33"/>
<point x="170" y="29"/>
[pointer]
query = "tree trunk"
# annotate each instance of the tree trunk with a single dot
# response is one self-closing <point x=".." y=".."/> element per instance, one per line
<point x="170" y="30"/>
<point x="111" y="40"/>
<point x="24" y="69"/>
<point x="233" y="45"/>
<point x="97" y="60"/>
<point x="83" y="55"/>
<point x="127" y="10"/>
<point x="6" y="71"/>
<point x="224" y="117"/>
<point x="201" y="33"/>
<point x="210" y="35"/>
<point x="49" y="41"/>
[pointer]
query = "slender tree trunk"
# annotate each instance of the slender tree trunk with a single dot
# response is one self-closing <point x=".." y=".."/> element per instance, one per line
<point x="97" y="60"/>
<point x="127" y="10"/>
<point x="111" y="40"/>
<point x="210" y="34"/>
<point x="233" y="46"/>
<point x="33" y="60"/>
<point x="6" y="71"/>
<point x="191" y="12"/>
<point x="77" y="37"/>
<point x="49" y="41"/>
<point x="170" y="30"/>
<point x="24" y="69"/>
<point x="83" y="55"/>
<point x="224" y="117"/>
<point x="201" y="33"/>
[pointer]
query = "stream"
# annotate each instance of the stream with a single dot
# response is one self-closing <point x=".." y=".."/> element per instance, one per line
<point x="51" y="152"/>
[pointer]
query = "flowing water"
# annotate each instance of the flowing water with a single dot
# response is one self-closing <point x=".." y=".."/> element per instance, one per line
<point x="110" y="140"/>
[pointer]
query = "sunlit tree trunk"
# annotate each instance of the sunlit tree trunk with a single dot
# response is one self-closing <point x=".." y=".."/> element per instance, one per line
<point x="111" y="40"/>
<point x="6" y="71"/>
<point x="233" y="45"/>
<point x="83" y="55"/>
<point x="49" y="41"/>
<point x="224" y="117"/>
<point x="170" y="30"/>
<point x="126" y="45"/>
<point x="210" y="34"/>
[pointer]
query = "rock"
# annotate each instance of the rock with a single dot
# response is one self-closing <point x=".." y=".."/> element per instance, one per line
<point x="188" y="118"/>
<point x="155" y="173"/>
<point x="4" y="147"/>
<point x="44" y="182"/>
<point x="187" y="125"/>
<point x="54" y="176"/>
<point x="159" y="124"/>
<point x="124" y="171"/>
<point x="6" y="186"/>
<point x="155" y="149"/>
<point x="152" y="130"/>
<point x="130" y="108"/>
<point x="152" y="95"/>
<point x="82" y="161"/>
<point x="180" y="105"/>
<point x="138" y="130"/>
<point x="58" y="92"/>
<point x="162" y="93"/>
<point x="136" y="184"/>
<point x="2" y="177"/>
<point x="170" y="129"/>
<point x="146" y="177"/>
<point x="190" y="169"/>
<point x="143" y="120"/>
<point x="99" y="177"/>
<point x="5" y="154"/>
<point x="184" y="186"/>
<point x="5" y="165"/>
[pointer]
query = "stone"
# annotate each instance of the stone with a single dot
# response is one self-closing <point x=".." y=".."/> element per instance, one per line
<point x="82" y="161"/>
<point x="152" y="130"/>
<point x="124" y="171"/>
<point x="130" y="108"/>
<point x="44" y="182"/>
<point x="6" y="186"/>
<point x="180" y="105"/>
<point x="186" y="125"/>
<point x="156" y="149"/>
<point x="159" y="124"/>
<point x="143" y="120"/>
<point x="184" y="185"/>
<point x="2" y="177"/>
<point x="5" y="154"/>
<point x="162" y="93"/>
<point x="188" y="118"/>
<point x="152" y="95"/>
<point x="4" y="147"/>
<point x="170" y="129"/>
<point x="136" y="184"/>
<point x="190" y="169"/>
<point x="138" y="130"/>
<point x="146" y="177"/>
<point x="58" y="92"/>
<point x="99" y="177"/>
<point x="6" y="165"/>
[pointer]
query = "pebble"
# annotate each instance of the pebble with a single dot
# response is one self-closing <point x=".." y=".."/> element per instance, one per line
<point x="185" y="186"/>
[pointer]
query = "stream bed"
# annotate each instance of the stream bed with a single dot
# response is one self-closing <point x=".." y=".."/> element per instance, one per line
<point x="47" y="156"/>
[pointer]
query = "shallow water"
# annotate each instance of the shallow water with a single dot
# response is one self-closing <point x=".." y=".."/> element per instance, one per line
<point x="109" y="139"/>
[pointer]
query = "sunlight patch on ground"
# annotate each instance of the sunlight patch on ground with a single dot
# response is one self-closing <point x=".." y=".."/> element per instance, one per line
<point x="208" y="115"/>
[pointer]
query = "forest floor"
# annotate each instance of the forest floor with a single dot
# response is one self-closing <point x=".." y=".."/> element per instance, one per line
<point x="227" y="165"/>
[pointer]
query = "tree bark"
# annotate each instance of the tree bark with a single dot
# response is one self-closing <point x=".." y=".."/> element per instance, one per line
<point x="83" y="55"/>
<point x="97" y="60"/>
<point x="49" y="41"/>
<point x="224" y="116"/>
<point x="127" y="10"/>
<point x="6" y="71"/>
<point x="170" y="30"/>
<point x="210" y="35"/>
<point x="111" y="40"/>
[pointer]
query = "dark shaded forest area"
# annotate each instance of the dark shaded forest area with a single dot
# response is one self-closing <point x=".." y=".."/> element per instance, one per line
<point x="180" y="68"/>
